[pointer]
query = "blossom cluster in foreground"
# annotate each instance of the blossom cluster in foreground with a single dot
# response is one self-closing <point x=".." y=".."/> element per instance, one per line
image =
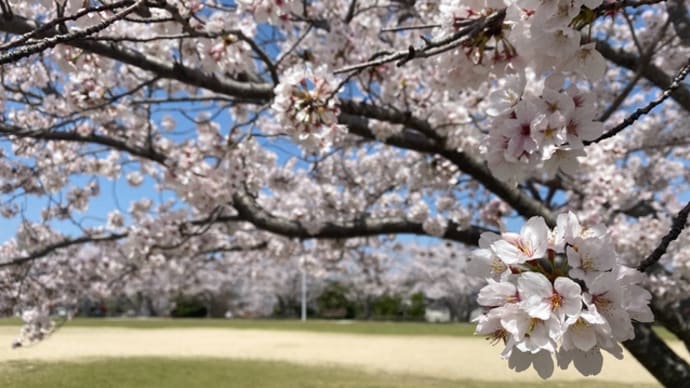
<point x="557" y="292"/>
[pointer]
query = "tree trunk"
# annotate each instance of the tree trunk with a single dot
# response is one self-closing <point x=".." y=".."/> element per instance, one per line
<point x="662" y="362"/>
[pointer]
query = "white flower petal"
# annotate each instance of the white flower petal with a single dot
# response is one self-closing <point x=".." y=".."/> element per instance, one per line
<point x="567" y="288"/>
<point x="532" y="283"/>
<point x="582" y="336"/>
<point x="507" y="252"/>
<point x="496" y="294"/>
<point x="536" y="234"/>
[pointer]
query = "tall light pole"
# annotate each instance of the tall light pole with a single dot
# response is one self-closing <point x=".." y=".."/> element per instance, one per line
<point x="304" y="295"/>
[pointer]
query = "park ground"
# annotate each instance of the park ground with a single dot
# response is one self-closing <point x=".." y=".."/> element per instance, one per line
<point x="207" y="353"/>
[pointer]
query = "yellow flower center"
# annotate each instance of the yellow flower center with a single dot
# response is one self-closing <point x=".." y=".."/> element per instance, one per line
<point x="496" y="336"/>
<point x="524" y="248"/>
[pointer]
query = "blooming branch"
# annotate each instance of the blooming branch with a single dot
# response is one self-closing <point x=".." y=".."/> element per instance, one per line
<point x="557" y="292"/>
<point x="679" y="223"/>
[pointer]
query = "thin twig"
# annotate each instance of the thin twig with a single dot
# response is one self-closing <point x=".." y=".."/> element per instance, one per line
<point x="49" y="25"/>
<point x="645" y="58"/>
<point x="59" y="245"/>
<point x="432" y="47"/>
<point x="679" y="223"/>
<point x="53" y="41"/>
<point x="616" y="5"/>
<point x="350" y="11"/>
<point x="675" y="84"/>
<point x="407" y="28"/>
<point x="293" y="47"/>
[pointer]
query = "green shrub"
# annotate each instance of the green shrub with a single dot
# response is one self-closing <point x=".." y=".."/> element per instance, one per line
<point x="334" y="304"/>
<point x="189" y="307"/>
<point x="388" y="307"/>
<point x="417" y="307"/>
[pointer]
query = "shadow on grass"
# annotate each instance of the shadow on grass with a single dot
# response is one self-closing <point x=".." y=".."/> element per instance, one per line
<point x="209" y="373"/>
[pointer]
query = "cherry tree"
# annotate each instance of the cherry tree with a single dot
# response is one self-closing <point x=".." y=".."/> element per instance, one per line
<point x="439" y="272"/>
<point x="266" y="129"/>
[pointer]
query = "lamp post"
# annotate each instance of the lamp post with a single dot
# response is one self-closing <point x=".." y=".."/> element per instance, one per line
<point x="304" y="295"/>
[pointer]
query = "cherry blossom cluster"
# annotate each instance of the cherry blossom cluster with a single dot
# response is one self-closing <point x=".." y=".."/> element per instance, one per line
<point x="270" y="11"/>
<point x="531" y="130"/>
<point x="557" y="292"/>
<point x="37" y="326"/>
<point x="550" y="36"/>
<point x="544" y="35"/>
<point x="306" y="105"/>
<point x="544" y="132"/>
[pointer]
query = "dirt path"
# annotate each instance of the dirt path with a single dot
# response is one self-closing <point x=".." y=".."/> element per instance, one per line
<point x="448" y="357"/>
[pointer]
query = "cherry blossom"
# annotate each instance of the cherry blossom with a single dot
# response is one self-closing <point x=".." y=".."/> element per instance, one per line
<point x="541" y="298"/>
<point x="306" y="104"/>
<point x="537" y="310"/>
<point x="530" y="244"/>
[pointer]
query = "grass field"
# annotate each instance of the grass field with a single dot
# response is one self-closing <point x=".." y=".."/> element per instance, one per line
<point x="94" y="353"/>
<point x="320" y="326"/>
<point x="210" y="373"/>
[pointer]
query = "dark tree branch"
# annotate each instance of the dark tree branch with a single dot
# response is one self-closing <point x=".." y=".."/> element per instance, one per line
<point x="37" y="33"/>
<point x="52" y="41"/>
<point x="59" y="245"/>
<point x="46" y="134"/>
<point x="391" y="116"/>
<point x="250" y="211"/>
<point x="431" y="48"/>
<point x="352" y="112"/>
<point x="205" y="223"/>
<point x="350" y="11"/>
<point x="675" y="84"/>
<point x="645" y="57"/>
<point x="673" y="318"/>
<point x="660" y="360"/>
<point x="613" y="6"/>
<point x="678" y="15"/>
<point x="621" y="97"/>
<point x="651" y="72"/>
<point x="5" y="10"/>
<point x="229" y="249"/>
<point x="163" y="69"/>
<point x="679" y="223"/>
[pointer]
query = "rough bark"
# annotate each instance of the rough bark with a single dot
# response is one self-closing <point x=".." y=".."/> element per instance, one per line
<point x="660" y="360"/>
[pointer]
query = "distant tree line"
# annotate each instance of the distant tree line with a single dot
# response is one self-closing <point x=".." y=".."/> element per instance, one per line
<point x="334" y="300"/>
